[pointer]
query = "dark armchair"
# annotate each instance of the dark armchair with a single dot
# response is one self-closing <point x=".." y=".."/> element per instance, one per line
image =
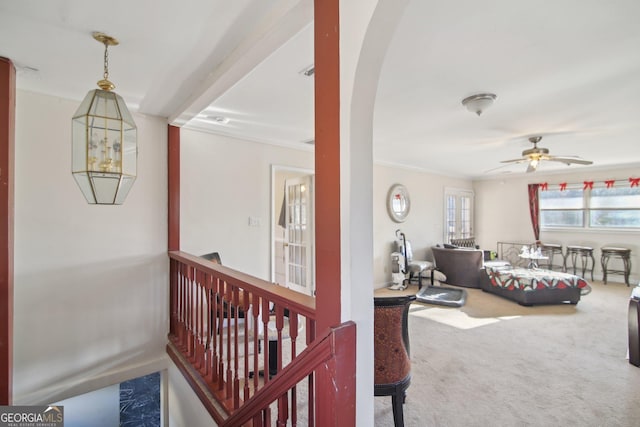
<point x="392" y="365"/>
<point x="463" y="267"/>
<point x="214" y="257"/>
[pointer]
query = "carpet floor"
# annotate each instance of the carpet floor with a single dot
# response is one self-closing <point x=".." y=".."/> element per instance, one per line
<point x="494" y="363"/>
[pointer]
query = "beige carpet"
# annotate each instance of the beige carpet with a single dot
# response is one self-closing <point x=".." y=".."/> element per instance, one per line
<point x="496" y="363"/>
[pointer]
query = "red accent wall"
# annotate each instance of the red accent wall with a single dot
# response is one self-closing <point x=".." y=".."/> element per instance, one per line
<point x="327" y="162"/>
<point x="7" y="141"/>
<point x="173" y="160"/>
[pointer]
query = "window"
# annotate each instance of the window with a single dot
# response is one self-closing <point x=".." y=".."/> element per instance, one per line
<point x="458" y="215"/>
<point x="562" y="208"/>
<point x="615" y="207"/>
<point x="599" y="207"/>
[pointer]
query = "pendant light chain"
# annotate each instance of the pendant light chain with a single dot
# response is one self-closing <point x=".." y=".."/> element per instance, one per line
<point x="106" y="61"/>
<point x="107" y="41"/>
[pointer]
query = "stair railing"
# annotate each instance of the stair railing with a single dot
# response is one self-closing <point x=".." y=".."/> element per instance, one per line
<point x="227" y="336"/>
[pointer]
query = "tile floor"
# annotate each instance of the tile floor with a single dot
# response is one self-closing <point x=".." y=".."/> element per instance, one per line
<point x="140" y="402"/>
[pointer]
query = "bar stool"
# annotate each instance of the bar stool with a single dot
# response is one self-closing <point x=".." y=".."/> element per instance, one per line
<point x="611" y="252"/>
<point x="551" y="250"/>
<point x="584" y="253"/>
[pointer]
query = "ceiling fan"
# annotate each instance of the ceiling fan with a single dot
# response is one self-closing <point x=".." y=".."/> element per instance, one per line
<point x="535" y="155"/>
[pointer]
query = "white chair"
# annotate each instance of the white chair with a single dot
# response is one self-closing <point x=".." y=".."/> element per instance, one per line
<point x="415" y="268"/>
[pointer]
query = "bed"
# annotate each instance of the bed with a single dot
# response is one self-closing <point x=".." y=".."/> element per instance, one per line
<point x="534" y="286"/>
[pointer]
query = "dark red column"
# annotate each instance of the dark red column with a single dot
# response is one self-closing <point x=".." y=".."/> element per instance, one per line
<point x="173" y="173"/>
<point x="327" y="162"/>
<point x="334" y="406"/>
<point x="7" y="141"/>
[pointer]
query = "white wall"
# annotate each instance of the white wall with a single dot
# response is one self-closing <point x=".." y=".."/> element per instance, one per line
<point x="90" y="282"/>
<point x="185" y="408"/>
<point x="227" y="180"/>
<point x="424" y="227"/>
<point x="502" y="214"/>
<point x="224" y="181"/>
<point x="100" y="408"/>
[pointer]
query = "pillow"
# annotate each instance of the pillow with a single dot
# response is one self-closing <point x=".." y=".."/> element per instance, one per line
<point x="439" y="276"/>
<point x="448" y="246"/>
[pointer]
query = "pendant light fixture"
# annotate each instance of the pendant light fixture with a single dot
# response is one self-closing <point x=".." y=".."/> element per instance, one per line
<point x="104" y="141"/>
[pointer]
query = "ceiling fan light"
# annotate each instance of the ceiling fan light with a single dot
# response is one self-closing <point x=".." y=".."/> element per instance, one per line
<point x="537" y="154"/>
<point x="479" y="102"/>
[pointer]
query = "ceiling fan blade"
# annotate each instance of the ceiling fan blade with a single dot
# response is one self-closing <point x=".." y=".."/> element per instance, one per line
<point x="570" y="160"/>
<point x="520" y="160"/>
<point x="494" y="169"/>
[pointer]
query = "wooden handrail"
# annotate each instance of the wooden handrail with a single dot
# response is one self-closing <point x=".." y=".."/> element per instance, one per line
<point x="319" y="352"/>
<point x="301" y="303"/>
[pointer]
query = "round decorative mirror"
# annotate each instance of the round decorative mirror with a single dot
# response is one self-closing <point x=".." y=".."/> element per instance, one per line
<point x="398" y="203"/>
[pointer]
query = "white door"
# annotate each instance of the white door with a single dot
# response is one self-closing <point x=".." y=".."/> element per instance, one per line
<point x="298" y="250"/>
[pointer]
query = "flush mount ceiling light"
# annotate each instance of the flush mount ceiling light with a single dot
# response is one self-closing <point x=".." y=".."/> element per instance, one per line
<point x="104" y="141"/>
<point x="213" y="119"/>
<point x="309" y="70"/>
<point x="219" y="119"/>
<point x="479" y="102"/>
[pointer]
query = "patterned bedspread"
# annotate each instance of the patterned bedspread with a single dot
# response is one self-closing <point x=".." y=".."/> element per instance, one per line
<point x="525" y="279"/>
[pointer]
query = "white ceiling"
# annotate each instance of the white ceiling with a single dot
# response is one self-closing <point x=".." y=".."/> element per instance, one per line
<point x="568" y="70"/>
